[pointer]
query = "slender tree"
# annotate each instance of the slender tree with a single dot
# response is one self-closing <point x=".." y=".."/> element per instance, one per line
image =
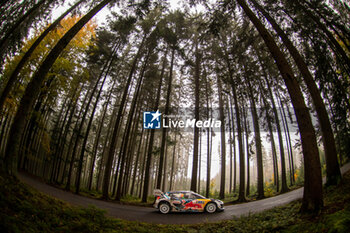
<point x="223" y="140"/>
<point x="312" y="198"/>
<point x="14" y="76"/>
<point x="33" y="88"/>
<point x="332" y="166"/>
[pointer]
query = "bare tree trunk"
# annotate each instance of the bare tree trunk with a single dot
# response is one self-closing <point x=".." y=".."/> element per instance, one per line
<point x="173" y="164"/>
<point x="286" y="132"/>
<point x="33" y="89"/>
<point x="313" y="197"/>
<point x="207" y="188"/>
<point x="272" y="139"/>
<point x="194" y="177"/>
<point x="166" y="112"/>
<point x="136" y="162"/>
<point x="234" y="147"/>
<point x="259" y="158"/>
<point x="241" y="192"/>
<point x="148" y="158"/>
<point x="284" y="187"/>
<point x="332" y="165"/>
<point x="223" y="141"/>
<point x="247" y="132"/>
<point x="129" y="124"/>
<point x="199" y="161"/>
<point x="97" y="139"/>
<point x="113" y="142"/>
<point x="230" y="144"/>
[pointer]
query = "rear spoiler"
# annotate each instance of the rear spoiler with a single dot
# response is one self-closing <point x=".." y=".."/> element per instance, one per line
<point x="158" y="192"/>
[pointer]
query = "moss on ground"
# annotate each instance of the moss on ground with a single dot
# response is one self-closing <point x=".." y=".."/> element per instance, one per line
<point x="26" y="210"/>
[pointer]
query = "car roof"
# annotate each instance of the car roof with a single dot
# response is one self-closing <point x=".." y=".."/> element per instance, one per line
<point x="180" y="192"/>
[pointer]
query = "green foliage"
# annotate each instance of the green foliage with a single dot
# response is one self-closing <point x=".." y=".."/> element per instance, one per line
<point x="339" y="220"/>
<point x="90" y="193"/>
<point x="127" y="199"/>
<point x="299" y="176"/>
<point x="132" y="200"/>
<point x="269" y="189"/>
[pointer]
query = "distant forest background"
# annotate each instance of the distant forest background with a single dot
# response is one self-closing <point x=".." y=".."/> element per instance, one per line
<point x="73" y="92"/>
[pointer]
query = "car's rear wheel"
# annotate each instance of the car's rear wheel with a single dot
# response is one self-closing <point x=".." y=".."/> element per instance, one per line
<point x="164" y="208"/>
<point x="210" y="207"/>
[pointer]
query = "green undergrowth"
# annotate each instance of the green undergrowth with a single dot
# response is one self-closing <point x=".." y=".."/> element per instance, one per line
<point x="26" y="210"/>
<point x="126" y="200"/>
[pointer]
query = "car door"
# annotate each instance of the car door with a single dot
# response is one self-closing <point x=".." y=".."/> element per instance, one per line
<point x="176" y="201"/>
<point x="200" y="202"/>
<point x="191" y="203"/>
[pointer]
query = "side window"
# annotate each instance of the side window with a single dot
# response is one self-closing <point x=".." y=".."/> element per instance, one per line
<point x="175" y="195"/>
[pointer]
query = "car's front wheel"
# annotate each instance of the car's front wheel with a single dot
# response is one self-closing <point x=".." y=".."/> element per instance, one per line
<point x="164" y="208"/>
<point x="210" y="207"/>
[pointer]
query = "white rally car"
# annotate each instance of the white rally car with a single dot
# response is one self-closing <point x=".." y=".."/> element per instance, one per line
<point x="185" y="201"/>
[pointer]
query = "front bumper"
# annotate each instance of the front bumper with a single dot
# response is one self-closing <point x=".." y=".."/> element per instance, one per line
<point x="220" y="205"/>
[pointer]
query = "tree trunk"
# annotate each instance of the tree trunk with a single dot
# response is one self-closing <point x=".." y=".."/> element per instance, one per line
<point x="129" y="124"/>
<point x="130" y="151"/>
<point x="230" y="144"/>
<point x="113" y="142"/>
<point x="208" y="140"/>
<point x="148" y="158"/>
<point x="147" y="143"/>
<point x="288" y="142"/>
<point x="241" y="192"/>
<point x="98" y="136"/>
<point x="273" y="146"/>
<point x="332" y="165"/>
<point x="136" y="162"/>
<point x="196" y="116"/>
<point x="284" y="187"/>
<point x="246" y="129"/>
<point x="62" y="142"/>
<point x="223" y="141"/>
<point x="312" y="198"/>
<point x="234" y="147"/>
<point x="105" y="71"/>
<point x="166" y="112"/>
<point x="82" y="152"/>
<point x="60" y="134"/>
<point x="14" y="76"/>
<point x="259" y="159"/>
<point x="173" y="164"/>
<point x="33" y="88"/>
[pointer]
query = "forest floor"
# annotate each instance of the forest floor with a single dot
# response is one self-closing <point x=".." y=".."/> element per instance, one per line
<point x="151" y="215"/>
<point x="24" y="209"/>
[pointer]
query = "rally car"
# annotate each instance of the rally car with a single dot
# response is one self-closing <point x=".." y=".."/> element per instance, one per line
<point x="185" y="201"/>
